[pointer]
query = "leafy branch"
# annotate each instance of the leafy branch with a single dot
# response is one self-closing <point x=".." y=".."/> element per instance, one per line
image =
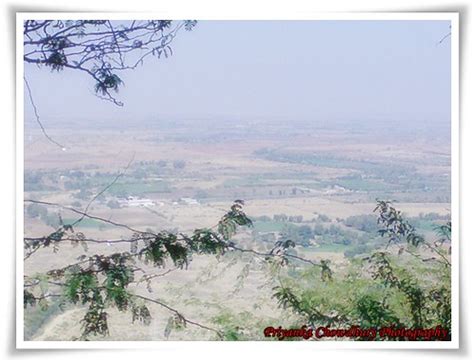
<point x="102" y="281"/>
<point x="398" y="229"/>
<point x="101" y="49"/>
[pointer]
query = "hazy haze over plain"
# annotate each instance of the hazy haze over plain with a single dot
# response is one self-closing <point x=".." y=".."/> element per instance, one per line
<point x="306" y="70"/>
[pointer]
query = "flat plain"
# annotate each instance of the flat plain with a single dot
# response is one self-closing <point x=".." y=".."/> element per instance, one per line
<point x="295" y="177"/>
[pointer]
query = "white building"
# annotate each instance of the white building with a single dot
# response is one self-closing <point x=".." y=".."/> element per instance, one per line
<point x="133" y="201"/>
<point x="188" y="201"/>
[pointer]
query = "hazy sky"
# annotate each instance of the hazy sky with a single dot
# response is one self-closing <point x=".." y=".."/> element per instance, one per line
<point x="311" y="70"/>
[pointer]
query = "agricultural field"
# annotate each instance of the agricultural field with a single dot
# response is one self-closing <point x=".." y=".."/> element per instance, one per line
<point x="306" y="181"/>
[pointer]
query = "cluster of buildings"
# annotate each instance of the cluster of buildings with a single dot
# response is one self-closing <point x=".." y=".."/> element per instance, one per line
<point x="135" y="201"/>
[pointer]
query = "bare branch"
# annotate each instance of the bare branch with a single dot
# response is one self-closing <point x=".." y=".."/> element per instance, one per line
<point x="98" y="218"/>
<point x="188" y="321"/>
<point x="120" y="174"/>
<point x="48" y="137"/>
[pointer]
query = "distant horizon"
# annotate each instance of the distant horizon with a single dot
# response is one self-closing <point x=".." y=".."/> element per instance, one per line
<point x="384" y="71"/>
<point x="137" y="122"/>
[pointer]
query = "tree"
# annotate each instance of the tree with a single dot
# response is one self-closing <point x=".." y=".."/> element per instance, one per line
<point x="103" y="281"/>
<point x="101" y="49"/>
<point x="400" y="293"/>
<point x="179" y="164"/>
<point x="113" y="204"/>
<point x="34" y="211"/>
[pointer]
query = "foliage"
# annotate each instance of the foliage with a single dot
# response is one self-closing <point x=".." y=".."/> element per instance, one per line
<point x="113" y="204"/>
<point x="101" y="49"/>
<point x="366" y="223"/>
<point x="383" y="289"/>
<point x="383" y="270"/>
<point x="141" y="314"/>
<point x="179" y="164"/>
<point x="372" y="312"/>
<point x="235" y="217"/>
<point x="310" y="312"/>
<point x="404" y="290"/>
<point x="394" y="225"/>
<point x="35" y="210"/>
<point x="95" y="320"/>
<point x="175" y="322"/>
<point x="206" y="241"/>
<point x="103" y="281"/>
<point x="81" y="286"/>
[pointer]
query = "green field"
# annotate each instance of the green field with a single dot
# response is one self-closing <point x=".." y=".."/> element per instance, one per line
<point x="139" y="188"/>
<point x="87" y="223"/>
